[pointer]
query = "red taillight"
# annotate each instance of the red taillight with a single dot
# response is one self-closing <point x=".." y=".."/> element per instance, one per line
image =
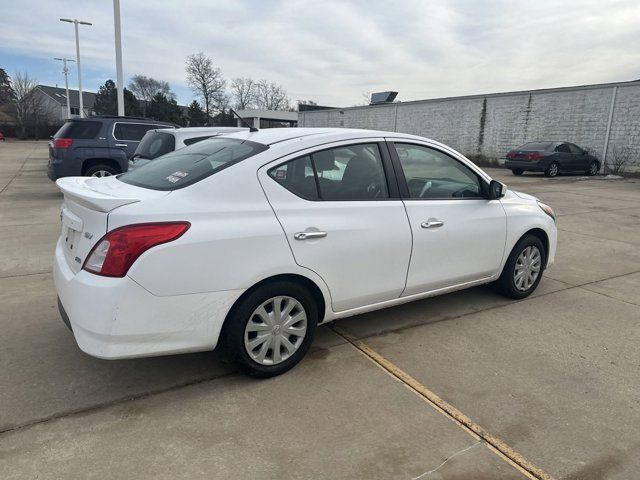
<point x="533" y="156"/>
<point x="62" y="142"/>
<point x="114" y="254"/>
<point x="511" y="155"/>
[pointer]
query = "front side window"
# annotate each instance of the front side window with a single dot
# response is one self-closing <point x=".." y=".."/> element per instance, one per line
<point x="352" y="172"/>
<point x="189" y="165"/>
<point x="574" y="149"/>
<point x="132" y="132"/>
<point x="433" y="174"/>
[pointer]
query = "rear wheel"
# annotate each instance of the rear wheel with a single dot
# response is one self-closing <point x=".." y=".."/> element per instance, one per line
<point x="523" y="270"/>
<point x="593" y="168"/>
<point x="517" y="171"/>
<point x="271" y="329"/>
<point x="552" y="170"/>
<point x="100" y="171"/>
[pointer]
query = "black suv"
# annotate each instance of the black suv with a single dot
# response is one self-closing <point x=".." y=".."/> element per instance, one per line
<point x="96" y="146"/>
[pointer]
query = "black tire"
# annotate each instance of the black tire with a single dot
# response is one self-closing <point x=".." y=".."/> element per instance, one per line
<point x="506" y="284"/>
<point x="552" y="170"/>
<point x="95" y="169"/>
<point x="232" y="335"/>
<point x="593" y="168"/>
<point x="517" y="171"/>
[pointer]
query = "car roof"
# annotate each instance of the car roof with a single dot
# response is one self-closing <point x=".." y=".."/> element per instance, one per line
<point x="271" y="136"/>
<point x="190" y="132"/>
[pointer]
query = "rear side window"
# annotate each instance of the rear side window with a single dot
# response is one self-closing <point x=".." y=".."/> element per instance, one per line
<point x="154" y="144"/>
<point x="79" y="130"/>
<point x="189" y="165"/>
<point x="132" y="132"/>
<point x="563" y="148"/>
<point x="191" y="141"/>
<point x="352" y="172"/>
<point x="535" y="146"/>
<point x="297" y="177"/>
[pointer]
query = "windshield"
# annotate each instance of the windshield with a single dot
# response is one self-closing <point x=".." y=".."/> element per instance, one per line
<point x="154" y="144"/>
<point x="191" y="164"/>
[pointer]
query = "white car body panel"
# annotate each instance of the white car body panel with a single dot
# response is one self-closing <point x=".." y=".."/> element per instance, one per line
<point x="469" y="246"/>
<point x="176" y="296"/>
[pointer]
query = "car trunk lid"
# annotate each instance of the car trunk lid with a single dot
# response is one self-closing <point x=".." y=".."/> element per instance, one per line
<point x="85" y="211"/>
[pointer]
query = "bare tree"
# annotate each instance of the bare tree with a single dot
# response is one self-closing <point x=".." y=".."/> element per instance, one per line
<point x="145" y="88"/>
<point x="23" y="88"/>
<point x="621" y="158"/>
<point x="32" y="109"/>
<point x="271" y="96"/>
<point x="244" y="91"/>
<point x="205" y="81"/>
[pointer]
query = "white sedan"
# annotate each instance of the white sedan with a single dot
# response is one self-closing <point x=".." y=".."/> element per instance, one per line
<point x="253" y="239"/>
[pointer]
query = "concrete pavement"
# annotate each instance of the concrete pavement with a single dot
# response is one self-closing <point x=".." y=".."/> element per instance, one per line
<point x="555" y="376"/>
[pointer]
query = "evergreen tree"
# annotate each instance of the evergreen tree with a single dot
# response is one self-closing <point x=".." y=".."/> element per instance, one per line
<point x="107" y="101"/>
<point x="225" y="119"/>
<point x="164" y="109"/>
<point x="6" y="90"/>
<point x="195" y="115"/>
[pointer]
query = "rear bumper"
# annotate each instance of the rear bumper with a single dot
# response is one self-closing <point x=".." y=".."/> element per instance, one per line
<point x="58" y="168"/>
<point x="527" y="166"/>
<point x="115" y="318"/>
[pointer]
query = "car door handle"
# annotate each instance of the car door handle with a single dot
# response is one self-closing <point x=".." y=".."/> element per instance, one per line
<point x="121" y="145"/>
<point x="309" y="235"/>
<point x="432" y="224"/>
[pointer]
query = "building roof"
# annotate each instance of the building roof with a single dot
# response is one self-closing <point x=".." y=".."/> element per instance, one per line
<point x="60" y="96"/>
<point x="282" y="115"/>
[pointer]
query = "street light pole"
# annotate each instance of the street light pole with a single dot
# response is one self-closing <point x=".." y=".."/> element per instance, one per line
<point x="77" y="22"/>
<point x="65" y="70"/>
<point x="119" y="79"/>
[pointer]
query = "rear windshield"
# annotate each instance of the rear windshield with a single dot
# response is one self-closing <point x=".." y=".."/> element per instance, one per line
<point x="535" y="146"/>
<point x="189" y="165"/>
<point x="154" y="144"/>
<point x="78" y="130"/>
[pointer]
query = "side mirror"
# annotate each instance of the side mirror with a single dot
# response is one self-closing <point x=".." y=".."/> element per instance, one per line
<point x="496" y="190"/>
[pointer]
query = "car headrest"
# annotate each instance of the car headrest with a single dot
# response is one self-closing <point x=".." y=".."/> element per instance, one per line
<point x="325" y="160"/>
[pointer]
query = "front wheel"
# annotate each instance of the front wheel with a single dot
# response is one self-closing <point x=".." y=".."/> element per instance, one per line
<point x="593" y="168"/>
<point x="523" y="270"/>
<point x="552" y="170"/>
<point x="271" y="329"/>
<point x="517" y="171"/>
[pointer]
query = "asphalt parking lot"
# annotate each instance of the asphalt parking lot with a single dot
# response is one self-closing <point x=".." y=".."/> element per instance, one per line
<point x="555" y="377"/>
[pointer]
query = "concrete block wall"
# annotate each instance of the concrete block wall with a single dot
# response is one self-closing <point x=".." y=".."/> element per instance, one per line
<point x="488" y="126"/>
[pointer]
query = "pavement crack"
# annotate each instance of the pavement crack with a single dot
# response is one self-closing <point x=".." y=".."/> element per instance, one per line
<point x="102" y="406"/>
<point x="20" y="169"/>
<point x="459" y="452"/>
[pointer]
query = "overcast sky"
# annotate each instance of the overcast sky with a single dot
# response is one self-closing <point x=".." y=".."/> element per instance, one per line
<point x="333" y="51"/>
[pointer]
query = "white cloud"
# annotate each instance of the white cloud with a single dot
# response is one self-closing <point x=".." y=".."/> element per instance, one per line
<point x="332" y="51"/>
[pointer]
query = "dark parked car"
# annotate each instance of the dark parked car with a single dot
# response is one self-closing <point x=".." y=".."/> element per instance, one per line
<point x="551" y="158"/>
<point x="96" y="146"/>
